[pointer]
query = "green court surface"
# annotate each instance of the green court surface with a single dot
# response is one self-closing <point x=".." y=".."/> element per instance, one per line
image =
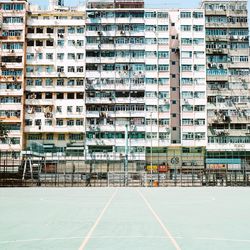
<point x="125" y="218"/>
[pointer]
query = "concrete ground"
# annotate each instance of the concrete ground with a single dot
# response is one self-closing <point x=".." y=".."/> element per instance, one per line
<point x="125" y="218"/>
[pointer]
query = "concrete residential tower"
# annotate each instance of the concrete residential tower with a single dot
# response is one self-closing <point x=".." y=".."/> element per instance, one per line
<point x="111" y="81"/>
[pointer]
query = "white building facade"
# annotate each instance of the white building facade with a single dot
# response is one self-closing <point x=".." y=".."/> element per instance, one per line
<point x="89" y="72"/>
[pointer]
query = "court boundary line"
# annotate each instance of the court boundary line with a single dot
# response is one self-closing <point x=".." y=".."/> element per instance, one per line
<point x="167" y="232"/>
<point x="92" y="229"/>
<point x="222" y="239"/>
<point x="122" y="237"/>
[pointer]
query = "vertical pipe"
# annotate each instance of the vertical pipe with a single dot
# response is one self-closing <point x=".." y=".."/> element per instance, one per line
<point x="126" y="155"/>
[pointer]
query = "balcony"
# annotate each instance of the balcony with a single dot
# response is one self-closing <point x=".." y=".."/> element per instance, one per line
<point x="217" y="51"/>
<point x="39" y="101"/>
<point x="99" y="100"/>
<point x="12" y="38"/>
<point x="211" y="12"/>
<point x="55" y="22"/>
<point x="40" y="36"/>
<point x="11" y="92"/>
<point x="217" y="77"/>
<point x="69" y="115"/>
<point x="226" y="25"/>
<point x="54" y="129"/>
<point x="13" y="65"/>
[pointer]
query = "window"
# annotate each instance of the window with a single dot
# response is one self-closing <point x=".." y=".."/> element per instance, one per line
<point x="163" y="54"/>
<point x="71" y="56"/>
<point x="59" y="96"/>
<point x="59" y="122"/>
<point x="48" y="122"/>
<point x="50" y="137"/>
<point x="200" y="136"/>
<point x="79" y="109"/>
<point x="163" y="67"/>
<point x="39" y="30"/>
<point x="198" y="14"/>
<point x="50" y="30"/>
<point x="186" y="54"/>
<point x="188" y="136"/>
<point x="185" y="27"/>
<point x="198" y="28"/>
<point x="60" y="43"/>
<point x="71" y="42"/>
<point x="79" y="95"/>
<point x="199" y="122"/>
<point x="49" y="56"/>
<point x="49" y="43"/>
<point x="60" y="69"/>
<point x="70" y="96"/>
<point x="186" y="41"/>
<point x="150" y="14"/>
<point x="80" y="30"/>
<point x="185" y="14"/>
<point x="60" y="82"/>
<point x="60" y="56"/>
<point x="59" y="109"/>
<point x="48" y="82"/>
<point x="199" y="108"/>
<point x="70" y="123"/>
<point x="79" y="122"/>
<point x="76" y="137"/>
<point x="39" y="43"/>
<point x="71" y="30"/>
<point x="48" y="95"/>
<point x="186" y="67"/>
<point x="187" y="122"/>
<point x="79" y="69"/>
<point x="61" y="137"/>
<point x="30" y="56"/>
<point x="79" y="82"/>
<point x="28" y="122"/>
<point x="11" y="6"/>
<point x="38" y="82"/>
<point x="69" y="109"/>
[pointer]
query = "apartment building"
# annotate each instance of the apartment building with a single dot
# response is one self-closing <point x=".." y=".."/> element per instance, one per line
<point x="135" y="61"/>
<point x="113" y="78"/>
<point x="54" y="80"/>
<point x="13" y="20"/>
<point x="227" y="43"/>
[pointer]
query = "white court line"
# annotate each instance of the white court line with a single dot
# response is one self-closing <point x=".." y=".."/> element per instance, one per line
<point x="167" y="232"/>
<point x="92" y="237"/>
<point x="88" y="236"/>
<point x="221" y="239"/>
<point x="39" y="239"/>
<point x="122" y="237"/>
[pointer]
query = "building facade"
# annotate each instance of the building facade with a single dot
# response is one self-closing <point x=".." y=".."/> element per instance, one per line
<point x="227" y="48"/>
<point x="13" y="19"/>
<point x="112" y="79"/>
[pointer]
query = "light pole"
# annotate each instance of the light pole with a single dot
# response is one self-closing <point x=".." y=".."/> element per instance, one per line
<point x="151" y="150"/>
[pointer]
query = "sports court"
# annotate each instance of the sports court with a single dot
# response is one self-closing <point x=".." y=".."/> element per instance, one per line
<point x="125" y="218"/>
